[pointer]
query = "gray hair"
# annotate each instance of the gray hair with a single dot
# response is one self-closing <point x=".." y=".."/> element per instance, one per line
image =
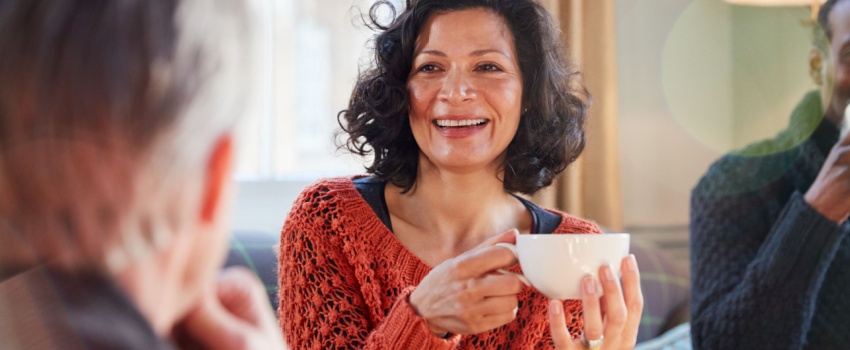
<point x="108" y="109"/>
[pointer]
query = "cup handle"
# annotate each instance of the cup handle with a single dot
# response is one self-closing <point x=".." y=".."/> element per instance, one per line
<point x="512" y="248"/>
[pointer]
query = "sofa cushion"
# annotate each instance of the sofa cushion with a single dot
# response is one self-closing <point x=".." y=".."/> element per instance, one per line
<point x="256" y="251"/>
<point x="666" y="289"/>
<point x="678" y="338"/>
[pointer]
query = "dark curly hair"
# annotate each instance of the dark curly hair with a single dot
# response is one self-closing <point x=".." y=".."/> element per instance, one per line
<point x="551" y="130"/>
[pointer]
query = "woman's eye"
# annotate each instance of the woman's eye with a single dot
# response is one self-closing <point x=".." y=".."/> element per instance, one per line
<point x="489" y="67"/>
<point x="427" y="68"/>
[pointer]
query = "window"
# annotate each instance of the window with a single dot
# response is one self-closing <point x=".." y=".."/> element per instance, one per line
<point x="311" y="51"/>
<point x="311" y="54"/>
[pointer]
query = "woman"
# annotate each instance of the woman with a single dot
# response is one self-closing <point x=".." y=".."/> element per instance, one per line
<point x="468" y="102"/>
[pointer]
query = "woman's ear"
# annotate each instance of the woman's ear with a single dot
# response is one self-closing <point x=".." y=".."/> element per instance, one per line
<point x="217" y="177"/>
<point x="816" y="66"/>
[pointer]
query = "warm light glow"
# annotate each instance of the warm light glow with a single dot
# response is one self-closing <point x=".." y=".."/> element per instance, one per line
<point x="774" y="2"/>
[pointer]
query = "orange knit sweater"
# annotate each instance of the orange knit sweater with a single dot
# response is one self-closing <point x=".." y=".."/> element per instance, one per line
<point x="345" y="282"/>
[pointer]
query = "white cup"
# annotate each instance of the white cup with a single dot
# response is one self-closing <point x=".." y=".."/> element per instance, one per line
<point x="554" y="264"/>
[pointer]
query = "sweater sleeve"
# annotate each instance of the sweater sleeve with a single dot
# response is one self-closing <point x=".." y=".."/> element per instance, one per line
<point x="321" y="300"/>
<point x="756" y="281"/>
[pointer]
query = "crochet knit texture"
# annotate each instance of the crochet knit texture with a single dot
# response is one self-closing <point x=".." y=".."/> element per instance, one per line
<point x="345" y="282"/>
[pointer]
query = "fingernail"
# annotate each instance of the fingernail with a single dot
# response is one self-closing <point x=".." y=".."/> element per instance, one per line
<point x="632" y="263"/>
<point x="608" y="272"/>
<point x="589" y="285"/>
<point x="554" y="307"/>
<point x="515" y="311"/>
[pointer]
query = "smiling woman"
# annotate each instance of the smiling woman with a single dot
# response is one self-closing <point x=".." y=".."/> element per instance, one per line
<point x="467" y="103"/>
<point x="550" y="136"/>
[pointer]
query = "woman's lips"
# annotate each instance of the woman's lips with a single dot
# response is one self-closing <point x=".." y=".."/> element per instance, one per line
<point x="457" y="128"/>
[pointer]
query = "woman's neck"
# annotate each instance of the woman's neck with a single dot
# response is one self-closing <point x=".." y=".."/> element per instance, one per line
<point x="456" y="209"/>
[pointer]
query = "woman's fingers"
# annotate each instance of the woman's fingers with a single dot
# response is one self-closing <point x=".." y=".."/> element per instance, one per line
<point x="616" y="315"/>
<point x="620" y="307"/>
<point x="480" y="261"/>
<point x="463" y="295"/>
<point x="593" y="326"/>
<point x="558" y="326"/>
<point x="495" y="306"/>
<point x="615" y="306"/>
<point x="479" y="316"/>
<point x="634" y="299"/>
<point x="489" y="322"/>
<point x="497" y="284"/>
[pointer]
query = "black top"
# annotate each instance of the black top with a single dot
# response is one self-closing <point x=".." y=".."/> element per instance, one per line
<point x="770" y="272"/>
<point x="372" y="191"/>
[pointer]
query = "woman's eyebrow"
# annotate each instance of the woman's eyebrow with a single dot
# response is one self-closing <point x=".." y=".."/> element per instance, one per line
<point x="475" y="53"/>
<point x="432" y="52"/>
<point x="483" y="52"/>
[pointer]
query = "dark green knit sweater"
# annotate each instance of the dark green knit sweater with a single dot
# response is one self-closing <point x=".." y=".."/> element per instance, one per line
<point x="768" y="271"/>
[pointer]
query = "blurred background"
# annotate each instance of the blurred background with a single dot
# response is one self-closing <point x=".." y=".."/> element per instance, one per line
<point x="676" y="83"/>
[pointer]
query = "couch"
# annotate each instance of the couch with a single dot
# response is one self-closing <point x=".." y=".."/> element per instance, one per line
<point x="666" y="286"/>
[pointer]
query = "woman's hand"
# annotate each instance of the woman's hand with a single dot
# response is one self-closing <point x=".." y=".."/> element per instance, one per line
<point x="235" y="315"/>
<point x="614" y="328"/>
<point x="463" y="295"/>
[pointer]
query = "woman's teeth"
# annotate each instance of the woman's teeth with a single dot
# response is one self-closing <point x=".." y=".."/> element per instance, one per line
<point x="443" y="123"/>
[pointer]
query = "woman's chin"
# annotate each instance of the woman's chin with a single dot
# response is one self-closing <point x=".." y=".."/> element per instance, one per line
<point x="464" y="164"/>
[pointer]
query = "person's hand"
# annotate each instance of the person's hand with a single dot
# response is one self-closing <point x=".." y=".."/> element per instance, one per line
<point x="610" y="322"/>
<point x="830" y="193"/>
<point x="234" y="315"/>
<point x="463" y="295"/>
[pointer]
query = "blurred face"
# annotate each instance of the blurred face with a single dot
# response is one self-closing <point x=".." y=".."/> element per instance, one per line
<point x="465" y="90"/>
<point x="839" y="62"/>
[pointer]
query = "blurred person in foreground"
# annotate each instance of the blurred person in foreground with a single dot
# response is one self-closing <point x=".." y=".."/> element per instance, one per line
<point x="769" y="232"/>
<point x="115" y="158"/>
<point x="467" y="102"/>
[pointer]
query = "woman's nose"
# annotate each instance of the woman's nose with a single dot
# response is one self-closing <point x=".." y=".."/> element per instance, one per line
<point x="457" y="87"/>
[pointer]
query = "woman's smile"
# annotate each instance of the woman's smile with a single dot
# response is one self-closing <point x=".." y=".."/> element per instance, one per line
<point x="459" y="127"/>
<point x="459" y="123"/>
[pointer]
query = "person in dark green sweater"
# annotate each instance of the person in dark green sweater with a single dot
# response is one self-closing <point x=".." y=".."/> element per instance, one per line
<point x="769" y="234"/>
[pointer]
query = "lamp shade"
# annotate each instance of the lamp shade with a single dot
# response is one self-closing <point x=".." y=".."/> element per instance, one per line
<point x="776" y="2"/>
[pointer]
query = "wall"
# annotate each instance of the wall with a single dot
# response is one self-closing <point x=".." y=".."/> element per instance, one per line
<point x="697" y="78"/>
<point x="770" y="73"/>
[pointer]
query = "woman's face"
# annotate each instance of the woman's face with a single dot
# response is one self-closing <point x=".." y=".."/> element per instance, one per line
<point x="465" y="90"/>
